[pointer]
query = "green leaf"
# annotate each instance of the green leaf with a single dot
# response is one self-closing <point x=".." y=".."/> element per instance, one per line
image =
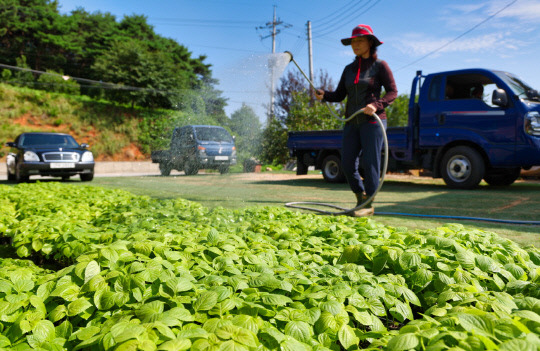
<point x="38" y="304"/>
<point x="150" y="312"/>
<point x="517" y="344"/>
<point x="379" y="262"/>
<point x="530" y="315"/>
<point x="44" y="331"/>
<point x="91" y="270"/>
<point x="67" y="291"/>
<point x="402" y="342"/>
<point x="237" y="334"/>
<point x="421" y="277"/>
<point x="401" y="311"/>
<point x="347" y="337"/>
<point x="409" y="260"/>
<point x="78" y="306"/>
<point x="23" y="285"/>
<point x="276" y="299"/>
<point x="205" y="301"/>
<point x="478" y="324"/>
<point x="175" y="345"/>
<point x="466" y="259"/>
<point x="332" y="306"/>
<point x="299" y="330"/>
<point x="517" y="271"/>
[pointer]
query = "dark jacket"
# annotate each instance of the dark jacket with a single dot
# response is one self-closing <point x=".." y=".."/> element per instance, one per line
<point x="374" y="74"/>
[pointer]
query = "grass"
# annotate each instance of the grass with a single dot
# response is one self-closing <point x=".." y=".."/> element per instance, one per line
<point x="423" y="196"/>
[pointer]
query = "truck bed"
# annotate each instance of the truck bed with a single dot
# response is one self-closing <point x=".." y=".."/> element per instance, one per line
<point x="331" y="139"/>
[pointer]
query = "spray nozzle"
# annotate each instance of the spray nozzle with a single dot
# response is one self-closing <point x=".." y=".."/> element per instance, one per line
<point x="289" y="53"/>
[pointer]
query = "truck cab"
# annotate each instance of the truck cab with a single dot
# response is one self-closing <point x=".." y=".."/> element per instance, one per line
<point x="474" y="124"/>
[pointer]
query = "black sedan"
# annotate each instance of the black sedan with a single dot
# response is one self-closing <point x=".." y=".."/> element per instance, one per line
<point x="48" y="154"/>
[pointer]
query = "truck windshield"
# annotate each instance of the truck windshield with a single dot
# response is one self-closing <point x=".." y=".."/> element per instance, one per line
<point x="213" y="134"/>
<point x="520" y="88"/>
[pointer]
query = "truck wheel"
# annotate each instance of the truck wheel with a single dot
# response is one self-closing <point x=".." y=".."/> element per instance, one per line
<point x="301" y="167"/>
<point x="502" y="177"/>
<point x="191" y="168"/>
<point x="462" y="167"/>
<point x="164" y="169"/>
<point x="331" y="169"/>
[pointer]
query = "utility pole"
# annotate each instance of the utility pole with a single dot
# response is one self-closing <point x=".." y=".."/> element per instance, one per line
<point x="275" y="31"/>
<point x="310" y="56"/>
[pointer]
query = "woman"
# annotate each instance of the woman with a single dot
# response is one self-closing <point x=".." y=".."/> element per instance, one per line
<point x="361" y="83"/>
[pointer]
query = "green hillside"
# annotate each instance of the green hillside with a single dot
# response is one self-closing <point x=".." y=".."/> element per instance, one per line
<point x="114" y="131"/>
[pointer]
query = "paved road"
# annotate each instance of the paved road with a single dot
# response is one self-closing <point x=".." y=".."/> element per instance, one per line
<point x="113" y="169"/>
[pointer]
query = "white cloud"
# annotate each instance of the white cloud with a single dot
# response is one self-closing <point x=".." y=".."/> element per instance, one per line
<point x="524" y="10"/>
<point x="417" y="45"/>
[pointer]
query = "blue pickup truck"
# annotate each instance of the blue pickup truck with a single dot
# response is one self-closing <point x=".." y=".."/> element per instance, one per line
<point x="464" y="126"/>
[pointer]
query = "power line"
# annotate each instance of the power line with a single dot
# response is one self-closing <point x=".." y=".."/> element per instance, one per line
<point x="458" y="37"/>
<point x="346" y="19"/>
<point x="331" y="21"/>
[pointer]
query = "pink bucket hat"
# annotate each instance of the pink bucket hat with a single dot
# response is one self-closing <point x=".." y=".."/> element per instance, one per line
<point x="360" y="31"/>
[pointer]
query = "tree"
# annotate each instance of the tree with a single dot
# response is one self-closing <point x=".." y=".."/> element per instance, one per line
<point x="245" y="124"/>
<point x="153" y="75"/>
<point x="397" y="113"/>
<point x="297" y="110"/>
<point x="97" y="47"/>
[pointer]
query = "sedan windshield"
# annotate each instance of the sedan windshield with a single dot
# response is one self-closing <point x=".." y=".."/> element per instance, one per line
<point x="53" y="140"/>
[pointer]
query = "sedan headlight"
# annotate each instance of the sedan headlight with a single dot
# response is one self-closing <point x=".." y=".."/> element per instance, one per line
<point x="87" y="157"/>
<point x="30" y="156"/>
<point x="532" y="123"/>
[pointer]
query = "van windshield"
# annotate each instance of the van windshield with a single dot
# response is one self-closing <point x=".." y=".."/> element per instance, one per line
<point x="213" y="134"/>
<point x="519" y="87"/>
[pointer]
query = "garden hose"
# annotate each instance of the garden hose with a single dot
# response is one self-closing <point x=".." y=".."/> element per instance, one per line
<point x="343" y="211"/>
<point x="300" y="205"/>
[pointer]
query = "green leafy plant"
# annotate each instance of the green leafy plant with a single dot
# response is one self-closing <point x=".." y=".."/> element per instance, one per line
<point x="140" y="273"/>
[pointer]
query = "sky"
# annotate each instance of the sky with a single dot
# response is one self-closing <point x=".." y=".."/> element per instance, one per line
<point x="236" y="38"/>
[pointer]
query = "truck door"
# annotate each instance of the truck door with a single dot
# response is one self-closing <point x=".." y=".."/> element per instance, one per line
<point x="465" y="113"/>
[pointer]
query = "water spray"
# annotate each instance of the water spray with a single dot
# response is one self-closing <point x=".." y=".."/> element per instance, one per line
<point x="344" y="211"/>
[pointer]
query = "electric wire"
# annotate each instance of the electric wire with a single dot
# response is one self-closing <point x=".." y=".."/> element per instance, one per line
<point x="332" y="20"/>
<point x="459" y="36"/>
<point x="345" y="20"/>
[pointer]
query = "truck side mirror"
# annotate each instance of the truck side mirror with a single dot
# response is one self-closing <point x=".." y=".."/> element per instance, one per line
<point x="499" y="98"/>
<point x="85" y="145"/>
<point x="11" y="144"/>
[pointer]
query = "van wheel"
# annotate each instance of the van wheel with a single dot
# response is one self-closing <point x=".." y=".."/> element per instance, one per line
<point x="191" y="168"/>
<point x="331" y="169"/>
<point x="223" y="169"/>
<point x="502" y="177"/>
<point x="462" y="167"/>
<point x="164" y="169"/>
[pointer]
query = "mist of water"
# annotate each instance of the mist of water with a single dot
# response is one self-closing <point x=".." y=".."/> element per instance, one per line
<point x="253" y="80"/>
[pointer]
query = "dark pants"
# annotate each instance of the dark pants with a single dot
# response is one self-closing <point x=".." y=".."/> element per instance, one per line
<point x="362" y="145"/>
